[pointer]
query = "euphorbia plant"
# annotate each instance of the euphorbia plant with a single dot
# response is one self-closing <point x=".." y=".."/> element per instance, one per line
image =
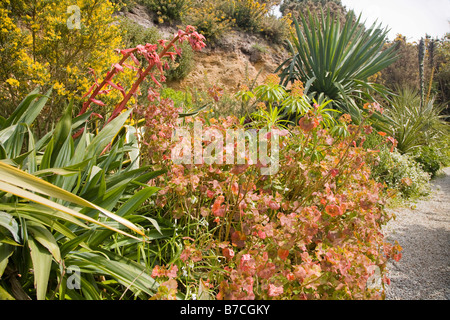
<point x="313" y="230"/>
<point x="309" y="231"/>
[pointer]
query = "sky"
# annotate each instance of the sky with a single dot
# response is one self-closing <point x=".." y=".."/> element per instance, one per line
<point x="411" y="18"/>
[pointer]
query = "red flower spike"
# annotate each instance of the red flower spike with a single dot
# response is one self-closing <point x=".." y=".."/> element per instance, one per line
<point x="135" y="60"/>
<point x="115" y="86"/>
<point x="154" y="80"/>
<point x="89" y="91"/>
<point x="162" y="43"/>
<point x="129" y="66"/>
<point x="104" y="91"/>
<point x="98" y="102"/>
<point x="172" y="55"/>
<point x="118" y="67"/>
<point x="96" y="115"/>
<point x="393" y="141"/>
<point x="177" y="50"/>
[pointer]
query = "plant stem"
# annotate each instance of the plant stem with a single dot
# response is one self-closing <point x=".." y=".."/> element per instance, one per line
<point x="142" y="76"/>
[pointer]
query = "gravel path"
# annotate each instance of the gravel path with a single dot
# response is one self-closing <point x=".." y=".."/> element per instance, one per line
<point x="423" y="272"/>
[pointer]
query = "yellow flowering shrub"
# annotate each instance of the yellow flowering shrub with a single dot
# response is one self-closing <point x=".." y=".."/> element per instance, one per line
<point x="16" y="64"/>
<point x="167" y="10"/>
<point x="247" y="14"/>
<point x="56" y="43"/>
<point x="209" y="19"/>
<point x="214" y="18"/>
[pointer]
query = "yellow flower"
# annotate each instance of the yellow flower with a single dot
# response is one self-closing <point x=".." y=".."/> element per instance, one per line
<point x="13" y="82"/>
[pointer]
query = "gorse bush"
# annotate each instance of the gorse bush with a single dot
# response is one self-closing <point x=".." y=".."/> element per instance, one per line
<point x="214" y="18"/>
<point x="209" y="19"/>
<point x="246" y="14"/>
<point x="276" y="105"/>
<point x="76" y="185"/>
<point x="39" y="49"/>
<point x="167" y="10"/>
<point x="134" y="34"/>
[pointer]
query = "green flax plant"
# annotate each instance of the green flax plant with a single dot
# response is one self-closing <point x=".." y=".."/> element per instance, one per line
<point x="64" y="202"/>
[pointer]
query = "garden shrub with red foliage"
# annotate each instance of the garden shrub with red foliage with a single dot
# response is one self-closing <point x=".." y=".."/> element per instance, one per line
<point x="310" y="230"/>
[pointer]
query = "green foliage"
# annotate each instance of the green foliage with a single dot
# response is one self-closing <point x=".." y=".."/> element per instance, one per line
<point x="183" y="65"/>
<point x="432" y="159"/>
<point x="134" y="34"/>
<point x="180" y="98"/>
<point x="402" y="174"/>
<point x="82" y="195"/>
<point x="337" y="61"/>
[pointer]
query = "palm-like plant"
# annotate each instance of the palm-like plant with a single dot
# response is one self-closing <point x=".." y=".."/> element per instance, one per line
<point x="336" y="62"/>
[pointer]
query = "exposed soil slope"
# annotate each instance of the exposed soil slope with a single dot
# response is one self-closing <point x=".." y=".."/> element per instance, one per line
<point x="233" y="61"/>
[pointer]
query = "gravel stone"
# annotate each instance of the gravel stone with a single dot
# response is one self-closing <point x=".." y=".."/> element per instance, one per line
<point x="423" y="272"/>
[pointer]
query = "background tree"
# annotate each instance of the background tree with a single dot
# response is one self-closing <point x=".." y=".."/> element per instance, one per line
<point x="404" y="72"/>
<point x="442" y="76"/>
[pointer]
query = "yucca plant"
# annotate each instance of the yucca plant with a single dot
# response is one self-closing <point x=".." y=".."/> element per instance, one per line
<point x="336" y="62"/>
<point x="67" y="202"/>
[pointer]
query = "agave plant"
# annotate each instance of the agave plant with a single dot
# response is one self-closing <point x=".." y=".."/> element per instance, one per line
<point x="336" y="62"/>
<point x="67" y="203"/>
